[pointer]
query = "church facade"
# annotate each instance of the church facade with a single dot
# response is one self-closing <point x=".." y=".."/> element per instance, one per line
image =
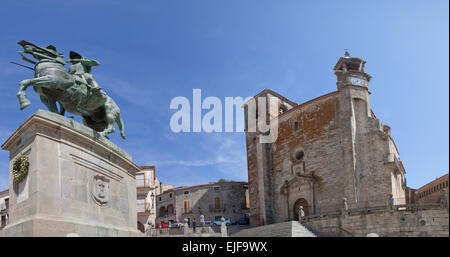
<point x="328" y="151"/>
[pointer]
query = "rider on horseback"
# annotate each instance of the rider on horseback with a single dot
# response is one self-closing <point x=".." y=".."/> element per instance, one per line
<point x="76" y="90"/>
<point x="81" y="67"/>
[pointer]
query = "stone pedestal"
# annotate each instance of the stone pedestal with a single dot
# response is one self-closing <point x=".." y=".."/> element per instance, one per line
<point x="78" y="183"/>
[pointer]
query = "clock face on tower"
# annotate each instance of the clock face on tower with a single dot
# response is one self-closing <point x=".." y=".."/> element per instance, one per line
<point x="357" y="81"/>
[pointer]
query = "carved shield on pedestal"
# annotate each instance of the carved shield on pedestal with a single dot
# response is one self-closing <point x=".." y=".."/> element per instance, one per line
<point x="100" y="189"/>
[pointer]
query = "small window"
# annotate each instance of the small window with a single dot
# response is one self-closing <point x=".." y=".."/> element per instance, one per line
<point x="296" y="126"/>
<point x="160" y="198"/>
<point x="216" y="188"/>
<point x="186" y="192"/>
<point x="170" y="195"/>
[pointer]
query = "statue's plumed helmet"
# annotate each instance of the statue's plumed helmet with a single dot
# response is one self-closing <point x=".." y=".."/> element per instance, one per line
<point x="74" y="55"/>
<point x="51" y="47"/>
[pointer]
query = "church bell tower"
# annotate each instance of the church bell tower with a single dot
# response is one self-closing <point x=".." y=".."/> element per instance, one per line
<point x="350" y="72"/>
<point x="356" y="123"/>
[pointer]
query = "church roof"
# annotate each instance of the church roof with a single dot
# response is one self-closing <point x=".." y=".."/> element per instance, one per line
<point x="268" y="91"/>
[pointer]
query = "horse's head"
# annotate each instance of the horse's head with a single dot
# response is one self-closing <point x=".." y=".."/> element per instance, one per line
<point x="39" y="53"/>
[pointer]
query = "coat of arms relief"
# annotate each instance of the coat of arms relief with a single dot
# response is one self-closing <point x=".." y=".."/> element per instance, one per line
<point x="100" y="189"/>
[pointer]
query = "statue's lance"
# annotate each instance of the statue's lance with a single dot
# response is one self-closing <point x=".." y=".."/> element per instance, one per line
<point x="22" y="65"/>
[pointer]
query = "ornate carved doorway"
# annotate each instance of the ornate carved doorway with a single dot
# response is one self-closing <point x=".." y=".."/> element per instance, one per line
<point x="302" y="202"/>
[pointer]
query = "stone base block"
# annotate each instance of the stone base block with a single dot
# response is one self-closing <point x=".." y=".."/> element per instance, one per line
<point x="40" y="227"/>
<point x="78" y="182"/>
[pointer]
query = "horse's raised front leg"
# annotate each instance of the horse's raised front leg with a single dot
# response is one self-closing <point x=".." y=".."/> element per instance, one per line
<point x="23" y="100"/>
<point x="44" y="81"/>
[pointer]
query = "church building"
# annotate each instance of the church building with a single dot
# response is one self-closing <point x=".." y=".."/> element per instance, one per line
<point x="329" y="151"/>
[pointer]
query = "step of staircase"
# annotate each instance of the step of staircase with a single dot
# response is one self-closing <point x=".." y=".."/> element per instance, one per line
<point x="282" y="229"/>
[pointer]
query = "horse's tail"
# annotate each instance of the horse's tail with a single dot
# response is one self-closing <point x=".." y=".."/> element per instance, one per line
<point x="121" y="126"/>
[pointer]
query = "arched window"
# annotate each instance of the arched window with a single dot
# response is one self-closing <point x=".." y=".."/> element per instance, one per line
<point x="298" y="155"/>
<point x="170" y="209"/>
<point x="162" y="211"/>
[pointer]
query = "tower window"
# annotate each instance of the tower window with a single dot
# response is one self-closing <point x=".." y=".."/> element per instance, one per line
<point x="299" y="155"/>
<point x="296" y="126"/>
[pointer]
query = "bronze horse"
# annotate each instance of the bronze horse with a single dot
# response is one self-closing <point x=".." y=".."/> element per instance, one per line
<point x="54" y="84"/>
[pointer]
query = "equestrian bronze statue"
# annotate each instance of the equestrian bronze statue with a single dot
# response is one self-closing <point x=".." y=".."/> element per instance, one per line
<point x="75" y="90"/>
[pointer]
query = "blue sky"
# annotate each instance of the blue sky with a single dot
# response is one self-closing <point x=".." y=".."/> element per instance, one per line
<point x="153" y="51"/>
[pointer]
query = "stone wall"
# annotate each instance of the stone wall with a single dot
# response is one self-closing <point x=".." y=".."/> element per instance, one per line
<point x="403" y="221"/>
<point x="432" y="192"/>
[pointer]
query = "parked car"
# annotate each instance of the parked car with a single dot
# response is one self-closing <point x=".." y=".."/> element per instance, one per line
<point x="177" y="224"/>
<point x="163" y="225"/>
<point x="241" y="221"/>
<point x="218" y="222"/>
<point x="208" y="223"/>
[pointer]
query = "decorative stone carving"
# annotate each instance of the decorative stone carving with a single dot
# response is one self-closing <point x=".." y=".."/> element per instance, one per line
<point x="223" y="228"/>
<point x="344" y="204"/>
<point x="202" y="220"/>
<point x="100" y="189"/>
<point x="301" y="213"/>
<point x="391" y="202"/>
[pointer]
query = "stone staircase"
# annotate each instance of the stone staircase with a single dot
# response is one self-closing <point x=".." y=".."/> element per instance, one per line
<point x="283" y="229"/>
